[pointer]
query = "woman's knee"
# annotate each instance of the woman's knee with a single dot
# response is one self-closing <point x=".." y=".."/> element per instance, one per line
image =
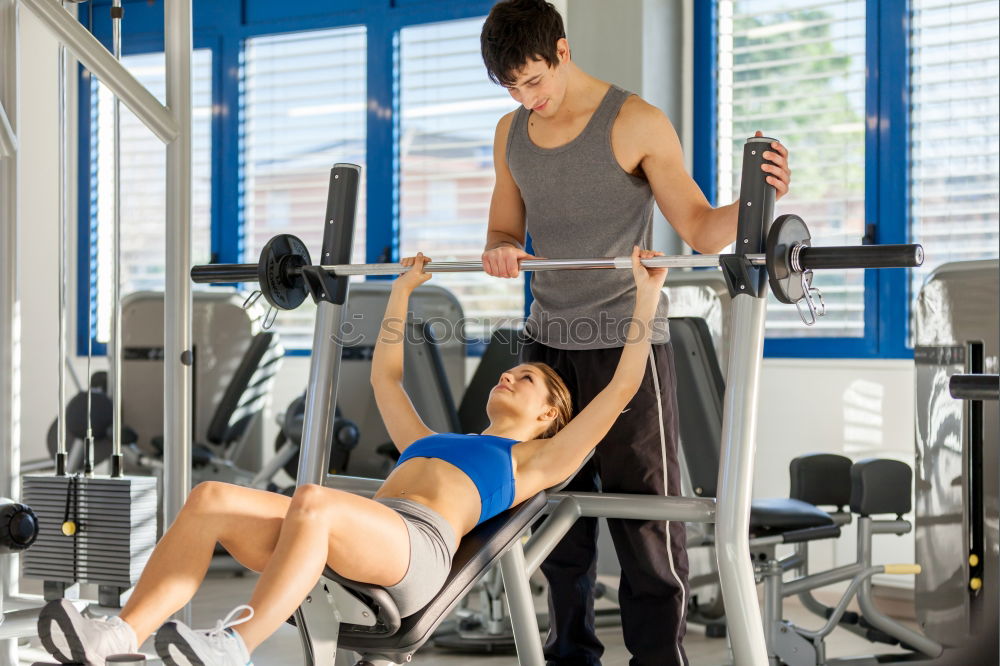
<point x="208" y="496"/>
<point x="313" y="502"/>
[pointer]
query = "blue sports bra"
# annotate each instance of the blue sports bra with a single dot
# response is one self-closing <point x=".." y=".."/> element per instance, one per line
<point x="486" y="459"/>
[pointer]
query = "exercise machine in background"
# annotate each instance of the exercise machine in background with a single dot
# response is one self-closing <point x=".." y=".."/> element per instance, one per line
<point x="957" y="498"/>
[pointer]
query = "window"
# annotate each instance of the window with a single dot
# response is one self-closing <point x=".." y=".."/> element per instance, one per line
<point x="302" y="111"/>
<point x="143" y="180"/>
<point x="954" y="131"/>
<point x="281" y="94"/>
<point x="931" y="118"/>
<point x="795" y="69"/>
<point x="449" y="111"/>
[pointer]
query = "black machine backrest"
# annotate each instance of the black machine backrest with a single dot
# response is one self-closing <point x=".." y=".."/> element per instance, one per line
<point x="879" y="486"/>
<point x="823" y="479"/>
<point x="240" y="394"/>
<point x="501" y="354"/>
<point x="479" y="550"/>
<point x="700" y="391"/>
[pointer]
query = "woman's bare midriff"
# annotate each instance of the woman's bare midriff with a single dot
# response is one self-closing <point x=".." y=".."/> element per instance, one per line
<point x="440" y="486"/>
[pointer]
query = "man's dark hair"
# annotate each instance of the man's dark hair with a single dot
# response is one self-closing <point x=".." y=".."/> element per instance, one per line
<point x="517" y="31"/>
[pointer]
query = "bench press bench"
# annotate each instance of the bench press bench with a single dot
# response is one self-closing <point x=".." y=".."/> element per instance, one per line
<point x="341" y="614"/>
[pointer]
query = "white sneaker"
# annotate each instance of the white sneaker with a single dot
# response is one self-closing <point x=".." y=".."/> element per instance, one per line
<point x="72" y="638"/>
<point x="180" y="645"/>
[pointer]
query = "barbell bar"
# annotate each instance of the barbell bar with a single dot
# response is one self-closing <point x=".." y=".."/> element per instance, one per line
<point x="808" y="258"/>
<point x="248" y="272"/>
<point x="285" y="266"/>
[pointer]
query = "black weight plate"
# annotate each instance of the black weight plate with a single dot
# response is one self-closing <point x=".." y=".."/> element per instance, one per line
<point x="785" y="232"/>
<point x="344" y="438"/>
<point x="283" y="286"/>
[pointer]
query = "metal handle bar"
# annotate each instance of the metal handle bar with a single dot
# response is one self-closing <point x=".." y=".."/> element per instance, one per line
<point x="858" y="256"/>
<point x="975" y="387"/>
<point x="248" y="272"/>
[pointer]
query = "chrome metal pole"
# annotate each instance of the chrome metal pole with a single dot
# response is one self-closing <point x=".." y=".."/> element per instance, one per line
<point x="178" y="355"/>
<point x="98" y="60"/>
<point x="63" y="269"/>
<point x="522" y="609"/>
<point x="321" y="398"/>
<point x="115" y="346"/>
<point x="10" y="306"/>
<point x="642" y="507"/>
<point x="209" y="273"/>
<point x="324" y="368"/>
<point x="739" y="432"/>
<point x="535" y="265"/>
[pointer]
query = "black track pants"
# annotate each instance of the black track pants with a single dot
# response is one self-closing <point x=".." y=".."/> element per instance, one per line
<point x="637" y="456"/>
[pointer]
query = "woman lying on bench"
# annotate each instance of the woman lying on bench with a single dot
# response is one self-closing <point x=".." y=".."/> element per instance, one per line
<point x="403" y="539"/>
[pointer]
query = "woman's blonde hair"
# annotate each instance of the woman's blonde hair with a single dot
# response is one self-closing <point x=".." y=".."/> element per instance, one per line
<point x="559" y="397"/>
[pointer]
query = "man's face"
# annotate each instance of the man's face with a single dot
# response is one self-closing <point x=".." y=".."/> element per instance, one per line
<point x="539" y="87"/>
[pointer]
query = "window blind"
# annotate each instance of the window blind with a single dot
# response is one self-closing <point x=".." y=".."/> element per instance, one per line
<point x="302" y="110"/>
<point x="143" y="182"/>
<point x="954" y="131"/>
<point x="795" y="69"/>
<point x="449" y="111"/>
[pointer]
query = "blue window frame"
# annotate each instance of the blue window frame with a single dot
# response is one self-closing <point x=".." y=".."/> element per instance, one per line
<point x="886" y="150"/>
<point x="222" y="27"/>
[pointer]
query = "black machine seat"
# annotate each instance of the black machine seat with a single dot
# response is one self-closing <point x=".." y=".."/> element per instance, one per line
<point x="782" y="516"/>
<point x="397" y="637"/>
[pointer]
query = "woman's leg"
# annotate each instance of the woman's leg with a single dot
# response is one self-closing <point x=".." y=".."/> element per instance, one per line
<point x="247" y="522"/>
<point x="360" y="539"/>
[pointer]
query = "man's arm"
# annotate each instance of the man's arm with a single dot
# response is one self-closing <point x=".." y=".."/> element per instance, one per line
<point x="505" y="234"/>
<point x="706" y="229"/>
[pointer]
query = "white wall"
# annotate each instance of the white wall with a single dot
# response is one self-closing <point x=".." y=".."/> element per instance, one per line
<point x="637" y="45"/>
<point x="860" y="408"/>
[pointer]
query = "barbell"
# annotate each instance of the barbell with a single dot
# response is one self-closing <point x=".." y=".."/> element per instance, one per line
<point x="789" y="260"/>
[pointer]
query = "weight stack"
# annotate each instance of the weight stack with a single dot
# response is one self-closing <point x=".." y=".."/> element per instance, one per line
<point x="115" y="521"/>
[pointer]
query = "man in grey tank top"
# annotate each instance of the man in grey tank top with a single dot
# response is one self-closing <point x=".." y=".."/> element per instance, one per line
<point x="578" y="167"/>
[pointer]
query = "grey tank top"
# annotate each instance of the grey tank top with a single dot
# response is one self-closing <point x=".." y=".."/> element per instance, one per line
<point x="580" y="203"/>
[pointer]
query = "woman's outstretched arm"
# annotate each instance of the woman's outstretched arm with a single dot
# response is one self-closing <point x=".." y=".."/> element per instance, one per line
<point x="401" y="419"/>
<point x="551" y="461"/>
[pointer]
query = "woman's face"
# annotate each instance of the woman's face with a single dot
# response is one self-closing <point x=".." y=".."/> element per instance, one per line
<point x="522" y="390"/>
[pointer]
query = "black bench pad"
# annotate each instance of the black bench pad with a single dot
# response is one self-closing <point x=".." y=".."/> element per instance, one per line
<point x="769" y="517"/>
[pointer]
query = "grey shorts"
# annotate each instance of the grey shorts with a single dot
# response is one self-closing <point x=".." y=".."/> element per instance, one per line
<point x="432" y="545"/>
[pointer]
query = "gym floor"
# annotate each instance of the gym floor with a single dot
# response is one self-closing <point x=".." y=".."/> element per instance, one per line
<point x="223" y="591"/>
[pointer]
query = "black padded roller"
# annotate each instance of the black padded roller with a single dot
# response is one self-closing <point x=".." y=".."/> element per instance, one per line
<point x="881" y="486"/>
<point x="823" y="479"/>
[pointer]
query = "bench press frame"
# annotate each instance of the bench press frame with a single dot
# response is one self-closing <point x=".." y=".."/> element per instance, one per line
<point x="731" y="509"/>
